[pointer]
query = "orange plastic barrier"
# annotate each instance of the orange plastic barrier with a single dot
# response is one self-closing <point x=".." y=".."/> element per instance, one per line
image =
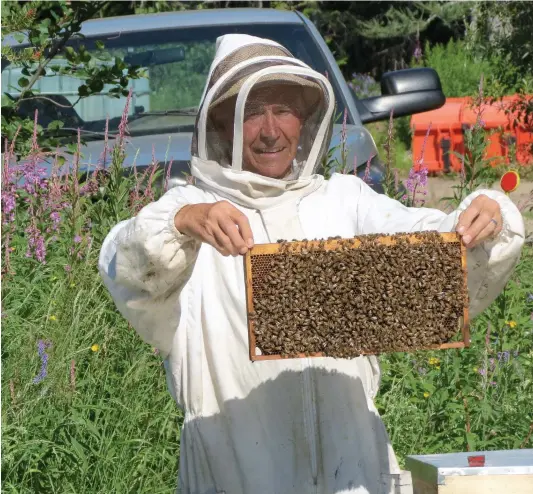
<point x="446" y="134"/>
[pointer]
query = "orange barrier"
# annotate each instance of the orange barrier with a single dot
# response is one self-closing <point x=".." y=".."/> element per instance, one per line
<point x="448" y="123"/>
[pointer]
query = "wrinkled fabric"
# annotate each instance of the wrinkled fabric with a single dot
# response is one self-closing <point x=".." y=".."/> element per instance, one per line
<point x="292" y="426"/>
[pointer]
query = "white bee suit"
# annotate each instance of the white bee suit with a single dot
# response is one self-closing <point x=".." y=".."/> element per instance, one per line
<point x="291" y="426"/>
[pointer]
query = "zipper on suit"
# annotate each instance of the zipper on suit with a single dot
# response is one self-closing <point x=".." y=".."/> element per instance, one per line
<point x="310" y="419"/>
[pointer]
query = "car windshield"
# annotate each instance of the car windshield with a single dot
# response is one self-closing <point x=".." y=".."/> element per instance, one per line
<point x="177" y="63"/>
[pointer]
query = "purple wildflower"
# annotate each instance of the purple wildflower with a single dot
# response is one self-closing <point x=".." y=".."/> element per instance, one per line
<point x="482" y="372"/>
<point x="41" y="350"/>
<point x="366" y="176"/>
<point x="417" y="54"/>
<point x="36" y="245"/>
<point x="493" y="383"/>
<point x="56" y="219"/>
<point x="417" y="178"/>
<point x="89" y="188"/>
<point x="530" y="297"/>
<point x="364" y="85"/>
<point x="8" y="205"/>
<point x="68" y="268"/>
<point x="504" y="356"/>
<point x="123" y="126"/>
<point x="422" y="371"/>
<point x="418" y="174"/>
<point x="167" y="174"/>
<point x="77" y="239"/>
<point x="8" y="189"/>
<point x="343" y="130"/>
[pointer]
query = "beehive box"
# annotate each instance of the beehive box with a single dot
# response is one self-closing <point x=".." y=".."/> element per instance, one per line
<point x="500" y="472"/>
<point x="365" y="295"/>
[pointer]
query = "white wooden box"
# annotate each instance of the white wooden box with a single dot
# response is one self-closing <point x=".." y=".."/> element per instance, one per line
<point x="504" y="472"/>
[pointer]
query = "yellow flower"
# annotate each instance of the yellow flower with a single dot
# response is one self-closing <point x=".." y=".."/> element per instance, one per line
<point x="426" y="394"/>
<point x="53" y="318"/>
<point x="475" y="369"/>
<point x="95" y="347"/>
<point x="511" y="324"/>
<point x="72" y="285"/>
<point x="433" y="361"/>
<point x="437" y="367"/>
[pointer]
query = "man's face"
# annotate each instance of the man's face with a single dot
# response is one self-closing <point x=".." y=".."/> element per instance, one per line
<point x="271" y="130"/>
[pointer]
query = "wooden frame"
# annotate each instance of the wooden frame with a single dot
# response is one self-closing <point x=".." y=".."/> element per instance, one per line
<point x="263" y="249"/>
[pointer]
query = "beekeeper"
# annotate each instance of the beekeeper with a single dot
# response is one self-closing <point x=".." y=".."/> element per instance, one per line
<point x="289" y="426"/>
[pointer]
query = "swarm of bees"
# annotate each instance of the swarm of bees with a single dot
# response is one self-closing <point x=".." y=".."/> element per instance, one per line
<point x="348" y="301"/>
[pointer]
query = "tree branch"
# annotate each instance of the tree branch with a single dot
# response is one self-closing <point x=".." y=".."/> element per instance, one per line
<point x="51" y="101"/>
<point x="55" y="50"/>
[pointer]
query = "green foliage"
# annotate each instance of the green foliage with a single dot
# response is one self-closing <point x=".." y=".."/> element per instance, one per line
<point x="501" y="32"/>
<point x="189" y="75"/>
<point x="458" y="69"/>
<point x="412" y="18"/>
<point x="476" y="168"/>
<point x="49" y="27"/>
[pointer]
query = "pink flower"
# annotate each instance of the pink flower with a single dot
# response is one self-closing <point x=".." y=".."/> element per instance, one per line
<point x="36" y="245"/>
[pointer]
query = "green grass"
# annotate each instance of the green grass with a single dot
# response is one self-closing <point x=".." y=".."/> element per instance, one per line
<point x="116" y="428"/>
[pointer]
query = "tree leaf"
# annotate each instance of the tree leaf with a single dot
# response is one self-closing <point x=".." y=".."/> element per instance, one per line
<point x="83" y="90"/>
<point x="55" y="124"/>
<point x="96" y="85"/>
<point x="70" y="54"/>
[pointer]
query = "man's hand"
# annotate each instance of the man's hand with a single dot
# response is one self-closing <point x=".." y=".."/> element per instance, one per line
<point x="219" y="224"/>
<point x="480" y="221"/>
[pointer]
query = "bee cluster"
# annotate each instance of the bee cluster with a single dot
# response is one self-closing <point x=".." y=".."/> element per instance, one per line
<point x="369" y="299"/>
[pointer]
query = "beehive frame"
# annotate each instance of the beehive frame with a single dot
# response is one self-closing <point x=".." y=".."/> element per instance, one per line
<point x="334" y="244"/>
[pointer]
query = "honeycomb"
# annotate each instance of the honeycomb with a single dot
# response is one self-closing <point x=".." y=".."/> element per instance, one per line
<point x="357" y="296"/>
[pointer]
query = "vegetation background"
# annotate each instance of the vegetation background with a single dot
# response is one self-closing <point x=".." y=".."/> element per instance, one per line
<point x="84" y="402"/>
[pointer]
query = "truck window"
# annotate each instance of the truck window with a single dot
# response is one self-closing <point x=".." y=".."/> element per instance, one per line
<point x="177" y="62"/>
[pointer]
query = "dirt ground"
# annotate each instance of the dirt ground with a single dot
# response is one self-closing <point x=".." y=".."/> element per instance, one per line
<point x="439" y="187"/>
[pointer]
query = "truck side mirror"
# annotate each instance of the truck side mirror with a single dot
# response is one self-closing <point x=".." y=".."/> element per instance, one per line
<point x="404" y="92"/>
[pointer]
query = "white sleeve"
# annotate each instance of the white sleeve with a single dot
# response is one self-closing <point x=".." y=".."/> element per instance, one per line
<point x="145" y="263"/>
<point x="489" y="265"/>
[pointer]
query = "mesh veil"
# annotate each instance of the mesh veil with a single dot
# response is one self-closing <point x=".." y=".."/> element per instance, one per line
<point x="312" y="94"/>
